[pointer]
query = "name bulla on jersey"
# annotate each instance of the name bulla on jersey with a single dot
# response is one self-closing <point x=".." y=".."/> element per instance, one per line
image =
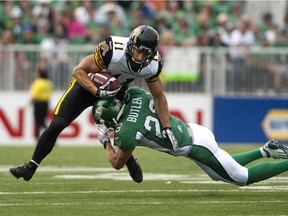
<point x="110" y="56"/>
<point x="135" y="108"/>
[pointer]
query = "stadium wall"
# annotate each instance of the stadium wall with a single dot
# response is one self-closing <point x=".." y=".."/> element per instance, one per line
<point x="232" y="119"/>
<point x="17" y="126"/>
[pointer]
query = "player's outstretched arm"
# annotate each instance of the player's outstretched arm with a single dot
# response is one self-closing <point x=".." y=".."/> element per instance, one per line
<point x="117" y="159"/>
<point x="121" y="157"/>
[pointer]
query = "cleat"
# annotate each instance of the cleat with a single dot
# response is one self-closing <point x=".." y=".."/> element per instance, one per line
<point x="275" y="150"/>
<point x="26" y="171"/>
<point x="134" y="169"/>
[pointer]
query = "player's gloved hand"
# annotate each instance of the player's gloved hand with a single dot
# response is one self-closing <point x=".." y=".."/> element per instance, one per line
<point x="168" y="134"/>
<point x="103" y="138"/>
<point x="103" y="91"/>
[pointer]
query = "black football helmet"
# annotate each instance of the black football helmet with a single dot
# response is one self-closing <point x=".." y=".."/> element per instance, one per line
<point x="145" y="39"/>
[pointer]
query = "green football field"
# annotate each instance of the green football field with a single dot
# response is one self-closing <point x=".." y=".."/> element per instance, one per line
<point x="79" y="181"/>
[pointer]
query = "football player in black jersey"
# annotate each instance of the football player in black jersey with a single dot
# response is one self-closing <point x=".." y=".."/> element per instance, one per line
<point x="125" y="58"/>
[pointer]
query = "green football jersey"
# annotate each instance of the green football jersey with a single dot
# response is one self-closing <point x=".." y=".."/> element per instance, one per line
<point x="139" y="125"/>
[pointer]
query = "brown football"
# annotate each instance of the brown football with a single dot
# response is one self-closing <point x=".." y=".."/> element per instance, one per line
<point x="101" y="78"/>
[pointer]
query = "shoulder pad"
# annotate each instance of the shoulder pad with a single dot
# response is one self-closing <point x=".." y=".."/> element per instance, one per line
<point x="103" y="53"/>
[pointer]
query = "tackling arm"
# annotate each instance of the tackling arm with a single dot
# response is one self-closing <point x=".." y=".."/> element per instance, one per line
<point x="117" y="159"/>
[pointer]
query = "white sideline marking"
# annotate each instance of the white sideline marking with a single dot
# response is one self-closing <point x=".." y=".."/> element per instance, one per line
<point x="284" y="188"/>
<point x="256" y="189"/>
<point x="125" y="176"/>
<point x="141" y="203"/>
<point x="110" y="191"/>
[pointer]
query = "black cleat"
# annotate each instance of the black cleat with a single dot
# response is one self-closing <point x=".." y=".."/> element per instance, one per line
<point x="134" y="169"/>
<point x="26" y="171"/>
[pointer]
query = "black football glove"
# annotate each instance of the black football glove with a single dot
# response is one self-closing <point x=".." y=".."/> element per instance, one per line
<point x="168" y="134"/>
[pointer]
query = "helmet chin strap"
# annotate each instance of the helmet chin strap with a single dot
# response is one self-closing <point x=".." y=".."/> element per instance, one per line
<point x="131" y="69"/>
<point x="137" y="62"/>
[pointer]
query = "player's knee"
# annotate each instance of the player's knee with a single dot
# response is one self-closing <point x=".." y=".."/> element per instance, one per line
<point x="58" y="123"/>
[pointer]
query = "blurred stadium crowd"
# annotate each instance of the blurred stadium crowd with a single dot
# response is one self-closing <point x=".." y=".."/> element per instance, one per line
<point x="180" y="23"/>
<point x="217" y="23"/>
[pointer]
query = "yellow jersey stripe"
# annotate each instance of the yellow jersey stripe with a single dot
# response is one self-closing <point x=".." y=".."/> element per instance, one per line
<point x="63" y="97"/>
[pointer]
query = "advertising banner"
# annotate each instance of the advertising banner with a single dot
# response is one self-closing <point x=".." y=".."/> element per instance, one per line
<point x="17" y="123"/>
<point x="250" y="120"/>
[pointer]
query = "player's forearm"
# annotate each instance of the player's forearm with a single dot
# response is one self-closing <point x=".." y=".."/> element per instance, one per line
<point x="160" y="102"/>
<point x="161" y="108"/>
<point x="112" y="156"/>
<point x="84" y="80"/>
<point x="86" y="65"/>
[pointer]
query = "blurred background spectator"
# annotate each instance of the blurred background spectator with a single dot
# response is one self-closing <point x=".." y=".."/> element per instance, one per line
<point x="54" y="24"/>
<point x="91" y="21"/>
<point x="40" y="90"/>
<point x="241" y="39"/>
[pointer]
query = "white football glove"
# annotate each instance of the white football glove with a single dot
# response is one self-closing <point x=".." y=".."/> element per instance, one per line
<point x="168" y="134"/>
<point x="103" y="91"/>
<point x="103" y="138"/>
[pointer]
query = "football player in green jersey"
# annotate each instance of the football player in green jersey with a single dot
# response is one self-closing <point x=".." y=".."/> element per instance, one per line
<point x="135" y="123"/>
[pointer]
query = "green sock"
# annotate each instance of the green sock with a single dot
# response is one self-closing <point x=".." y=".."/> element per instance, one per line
<point x="266" y="170"/>
<point x="247" y="157"/>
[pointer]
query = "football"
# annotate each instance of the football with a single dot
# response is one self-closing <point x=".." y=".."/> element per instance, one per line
<point x="101" y="78"/>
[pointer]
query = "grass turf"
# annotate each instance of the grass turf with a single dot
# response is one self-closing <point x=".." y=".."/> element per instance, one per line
<point x="80" y="181"/>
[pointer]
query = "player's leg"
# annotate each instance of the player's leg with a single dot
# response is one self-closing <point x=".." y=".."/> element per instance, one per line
<point x="217" y="163"/>
<point x="72" y="103"/>
<point x="48" y="139"/>
<point x="44" y="146"/>
<point x="69" y="107"/>
<point x="219" y="166"/>
<point x="270" y="149"/>
<point x="247" y="157"/>
<point x="266" y="170"/>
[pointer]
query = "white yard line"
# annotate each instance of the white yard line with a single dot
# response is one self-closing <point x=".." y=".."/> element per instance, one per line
<point x="255" y="189"/>
<point x="118" y="202"/>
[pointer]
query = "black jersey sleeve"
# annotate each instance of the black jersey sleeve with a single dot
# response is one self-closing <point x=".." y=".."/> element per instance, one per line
<point x="103" y="53"/>
<point x="160" y="66"/>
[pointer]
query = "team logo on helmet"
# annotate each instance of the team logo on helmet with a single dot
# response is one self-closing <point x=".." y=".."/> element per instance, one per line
<point x="135" y="34"/>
